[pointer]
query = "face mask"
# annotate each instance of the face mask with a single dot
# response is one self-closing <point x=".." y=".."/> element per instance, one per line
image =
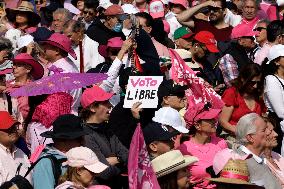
<point x="117" y="27"/>
<point x="280" y="2"/>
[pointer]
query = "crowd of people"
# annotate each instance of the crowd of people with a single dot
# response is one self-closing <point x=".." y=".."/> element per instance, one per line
<point x="83" y="137"/>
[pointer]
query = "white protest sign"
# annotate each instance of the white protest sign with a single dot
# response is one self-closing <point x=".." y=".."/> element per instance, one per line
<point x="142" y="89"/>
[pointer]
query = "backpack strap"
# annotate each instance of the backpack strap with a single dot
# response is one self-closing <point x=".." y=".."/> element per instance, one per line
<point x="55" y="163"/>
<point x="279" y="81"/>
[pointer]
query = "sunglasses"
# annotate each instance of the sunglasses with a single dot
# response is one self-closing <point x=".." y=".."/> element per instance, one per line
<point x="214" y="9"/>
<point x="252" y="83"/>
<point x="259" y="29"/>
<point x="39" y="2"/>
<point x="89" y="12"/>
<point x="179" y="94"/>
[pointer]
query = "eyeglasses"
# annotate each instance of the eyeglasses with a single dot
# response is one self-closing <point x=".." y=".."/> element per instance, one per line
<point x="89" y="12"/>
<point x="259" y="29"/>
<point x="39" y="2"/>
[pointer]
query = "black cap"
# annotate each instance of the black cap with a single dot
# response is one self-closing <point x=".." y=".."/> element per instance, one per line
<point x="156" y="132"/>
<point x="170" y="88"/>
<point x="41" y="34"/>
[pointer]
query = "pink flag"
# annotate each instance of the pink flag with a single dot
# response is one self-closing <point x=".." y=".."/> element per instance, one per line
<point x="140" y="172"/>
<point x="197" y="92"/>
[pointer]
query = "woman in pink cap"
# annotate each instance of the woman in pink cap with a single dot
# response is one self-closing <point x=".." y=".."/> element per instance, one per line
<point x="203" y="142"/>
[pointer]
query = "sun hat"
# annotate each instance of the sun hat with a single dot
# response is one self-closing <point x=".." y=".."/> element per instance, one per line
<point x="157" y="132"/>
<point x="61" y="41"/>
<point x="53" y="106"/>
<point x="234" y="172"/>
<point x="200" y="111"/>
<point x="129" y="9"/>
<point x="183" y="32"/>
<point x="184" y="3"/>
<point x="171" y="117"/>
<point x="208" y="39"/>
<point x="170" y="88"/>
<point x="6" y="120"/>
<point x="170" y="162"/>
<point x="85" y="157"/>
<point x="156" y="9"/>
<point x="275" y="52"/>
<point x="26" y="7"/>
<point x="37" y="69"/>
<point x="66" y="126"/>
<point x="223" y="156"/>
<point x="94" y="94"/>
<point x="24" y="41"/>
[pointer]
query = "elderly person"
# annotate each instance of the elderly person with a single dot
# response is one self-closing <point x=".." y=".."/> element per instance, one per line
<point x="251" y="133"/>
<point x="91" y="57"/>
<point x="242" y="98"/>
<point x="274" y="91"/>
<point x="203" y="142"/>
<point x="60" y="17"/>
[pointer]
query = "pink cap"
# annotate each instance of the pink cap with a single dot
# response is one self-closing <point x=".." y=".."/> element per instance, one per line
<point x="223" y="156"/>
<point x="208" y="39"/>
<point x="242" y="31"/>
<point x="184" y="3"/>
<point x="156" y="9"/>
<point x="61" y="41"/>
<point x="94" y="94"/>
<point x="84" y="157"/>
<point x="199" y="112"/>
<point x="115" y="42"/>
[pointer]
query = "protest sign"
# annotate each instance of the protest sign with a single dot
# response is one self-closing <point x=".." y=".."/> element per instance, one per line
<point x="142" y="89"/>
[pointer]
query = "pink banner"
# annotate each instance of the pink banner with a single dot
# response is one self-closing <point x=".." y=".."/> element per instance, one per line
<point x="197" y="92"/>
<point x="140" y="172"/>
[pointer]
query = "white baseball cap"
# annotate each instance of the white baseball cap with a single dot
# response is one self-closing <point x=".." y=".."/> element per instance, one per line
<point x="84" y="157"/>
<point x="275" y="52"/>
<point x="171" y="117"/>
<point x="129" y="9"/>
<point x="156" y="9"/>
<point x="280" y="2"/>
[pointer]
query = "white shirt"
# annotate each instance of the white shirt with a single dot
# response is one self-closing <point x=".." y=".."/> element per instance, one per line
<point x="255" y="157"/>
<point x="9" y="163"/>
<point x="68" y="66"/>
<point x="232" y="19"/>
<point x="90" y="52"/>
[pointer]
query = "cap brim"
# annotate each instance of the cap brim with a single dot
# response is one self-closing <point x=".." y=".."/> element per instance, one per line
<point x="74" y="135"/>
<point x="107" y="96"/>
<point x="157" y="14"/>
<point x="230" y="181"/>
<point x="96" y="167"/>
<point x="187" y="36"/>
<point x="122" y="16"/>
<point x="37" y="69"/>
<point x="212" y="48"/>
<point x="181" y="129"/>
<point x="211" y="114"/>
<point x="71" y="51"/>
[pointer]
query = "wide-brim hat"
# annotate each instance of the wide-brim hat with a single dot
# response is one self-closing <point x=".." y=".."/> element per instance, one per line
<point x="67" y="127"/>
<point x="37" y="69"/>
<point x="26" y="7"/>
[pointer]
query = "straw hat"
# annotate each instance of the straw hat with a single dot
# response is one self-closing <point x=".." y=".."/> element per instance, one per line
<point x="234" y="172"/>
<point x="26" y="7"/>
<point x="170" y="162"/>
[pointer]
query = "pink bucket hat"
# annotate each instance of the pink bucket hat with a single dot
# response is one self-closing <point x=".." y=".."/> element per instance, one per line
<point x="94" y="94"/>
<point x="53" y="106"/>
<point x="156" y="9"/>
<point x="184" y="3"/>
<point x="200" y="111"/>
<point x="223" y="156"/>
<point x="61" y="41"/>
<point x="84" y="157"/>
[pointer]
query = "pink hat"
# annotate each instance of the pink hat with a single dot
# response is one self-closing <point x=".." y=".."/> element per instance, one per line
<point x="184" y="3"/>
<point x="94" y="94"/>
<point x="243" y="31"/>
<point x="156" y="9"/>
<point x="37" y="69"/>
<point x="115" y="42"/>
<point x="200" y="111"/>
<point x="53" y="106"/>
<point x="61" y="41"/>
<point x="84" y="157"/>
<point x="223" y="156"/>
<point x="208" y="39"/>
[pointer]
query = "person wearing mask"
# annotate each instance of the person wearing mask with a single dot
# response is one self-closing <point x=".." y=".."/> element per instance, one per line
<point x="170" y="169"/>
<point x="242" y="98"/>
<point x="110" y="151"/>
<point x="274" y="91"/>
<point x="261" y="39"/>
<point x="82" y="166"/>
<point x="111" y="27"/>
<point x="203" y="142"/>
<point x="158" y="139"/>
<point x="60" y="17"/>
<point x="13" y="161"/>
<point x="91" y="57"/>
<point x="67" y="133"/>
<point x="251" y="134"/>
<point x="216" y="24"/>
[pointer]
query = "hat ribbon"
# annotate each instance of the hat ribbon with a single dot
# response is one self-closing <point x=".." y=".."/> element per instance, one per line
<point x="226" y="174"/>
<point x="171" y="167"/>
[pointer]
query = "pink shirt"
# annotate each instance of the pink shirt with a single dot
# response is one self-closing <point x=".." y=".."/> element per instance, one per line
<point x="262" y="53"/>
<point x="205" y="153"/>
<point x="271" y="13"/>
<point x="279" y="160"/>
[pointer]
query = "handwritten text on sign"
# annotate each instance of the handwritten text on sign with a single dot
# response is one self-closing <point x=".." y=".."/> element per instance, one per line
<point x="142" y="89"/>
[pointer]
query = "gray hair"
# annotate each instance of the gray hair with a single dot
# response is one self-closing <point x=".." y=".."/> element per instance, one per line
<point x="245" y="126"/>
<point x="75" y="25"/>
<point x="264" y="21"/>
<point x="67" y="14"/>
<point x="5" y="44"/>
